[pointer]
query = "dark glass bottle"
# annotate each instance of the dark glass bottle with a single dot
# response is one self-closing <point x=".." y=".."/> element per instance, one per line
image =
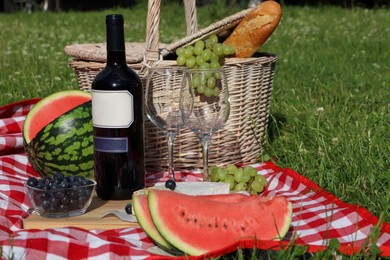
<point x="118" y="122"/>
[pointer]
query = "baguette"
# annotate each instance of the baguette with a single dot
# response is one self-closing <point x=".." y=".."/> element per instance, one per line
<point x="255" y="28"/>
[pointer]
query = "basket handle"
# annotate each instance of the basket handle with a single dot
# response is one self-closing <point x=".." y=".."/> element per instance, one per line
<point x="191" y="16"/>
<point x="152" y="54"/>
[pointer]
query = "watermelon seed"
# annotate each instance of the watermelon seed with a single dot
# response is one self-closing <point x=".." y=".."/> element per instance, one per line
<point x="243" y="228"/>
<point x="225" y="226"/>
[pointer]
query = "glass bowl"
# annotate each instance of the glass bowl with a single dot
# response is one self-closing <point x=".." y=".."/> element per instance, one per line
<point x="60" y="196"/>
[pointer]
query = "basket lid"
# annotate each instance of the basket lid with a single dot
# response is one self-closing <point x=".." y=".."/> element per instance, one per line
<point x="135" y="51"/>
<point x="97" y="51"/>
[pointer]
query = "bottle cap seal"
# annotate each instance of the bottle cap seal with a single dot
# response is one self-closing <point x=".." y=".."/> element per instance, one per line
<point x="114" y="19"/>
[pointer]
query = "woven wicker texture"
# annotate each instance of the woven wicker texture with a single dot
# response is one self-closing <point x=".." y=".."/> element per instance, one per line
<point x="137" y="52"/>
<point x="250" y="85"/>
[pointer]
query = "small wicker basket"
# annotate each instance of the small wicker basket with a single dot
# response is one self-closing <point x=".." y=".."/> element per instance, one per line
<point x="249" y="80"/>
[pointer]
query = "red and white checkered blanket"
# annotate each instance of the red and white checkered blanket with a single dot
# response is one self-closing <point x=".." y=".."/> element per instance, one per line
<point x="317" y="215"/>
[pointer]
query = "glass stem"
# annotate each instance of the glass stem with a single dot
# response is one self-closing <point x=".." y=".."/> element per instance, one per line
<point x="205" y="141"/>
<point x="171" y="170"/>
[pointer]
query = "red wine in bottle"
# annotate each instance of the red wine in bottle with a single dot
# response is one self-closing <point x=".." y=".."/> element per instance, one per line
<point x="118" y="121"/>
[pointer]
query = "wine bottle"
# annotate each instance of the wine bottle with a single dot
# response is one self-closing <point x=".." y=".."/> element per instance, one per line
<point x="118" y="121"/>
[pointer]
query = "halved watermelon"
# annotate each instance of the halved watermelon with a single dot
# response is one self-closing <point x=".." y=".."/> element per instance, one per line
<point x="197" y="225"/>
<point x="58" y="134"/>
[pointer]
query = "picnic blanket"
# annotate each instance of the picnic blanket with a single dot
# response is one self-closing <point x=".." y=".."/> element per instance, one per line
<point x="318" y="216"/>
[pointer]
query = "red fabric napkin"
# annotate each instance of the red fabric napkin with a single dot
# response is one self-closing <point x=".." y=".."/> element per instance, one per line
<point x="317" y="215"/>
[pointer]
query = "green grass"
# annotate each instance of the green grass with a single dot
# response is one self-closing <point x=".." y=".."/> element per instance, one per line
<point x="330" y="107"/>
<point x="331" y="100"/>
<point x="33" y="62"/>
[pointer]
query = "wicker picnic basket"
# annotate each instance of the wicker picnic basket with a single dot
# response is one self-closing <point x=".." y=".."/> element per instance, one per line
<point x="249" y="80"/>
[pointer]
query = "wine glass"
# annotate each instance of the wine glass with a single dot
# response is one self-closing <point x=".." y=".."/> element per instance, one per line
<point x="165" y="88"/>
<point x="211" y="107"/>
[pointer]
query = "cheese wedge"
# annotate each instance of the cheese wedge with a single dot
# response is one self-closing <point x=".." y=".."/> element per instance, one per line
<point x="193" y="188"/>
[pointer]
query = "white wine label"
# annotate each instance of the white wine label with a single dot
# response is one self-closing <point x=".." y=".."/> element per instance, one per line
<point x="112" y="109"/>
<point x="111" y="144"/>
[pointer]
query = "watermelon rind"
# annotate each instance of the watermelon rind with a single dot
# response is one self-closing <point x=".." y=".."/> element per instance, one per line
<point x="146" y="223"/>
<point x="287" y="224"/>
<point x="65" y="145"/>
<point x="197" y="226"/>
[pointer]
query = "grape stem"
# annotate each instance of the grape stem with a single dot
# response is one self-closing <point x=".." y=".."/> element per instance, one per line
<point x="205" y="140"/>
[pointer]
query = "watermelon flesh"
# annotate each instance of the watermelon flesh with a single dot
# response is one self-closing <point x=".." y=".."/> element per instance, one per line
<point x="50" y="108"/>
<point x="198" y="225"/>
<point x="141" y="211"/>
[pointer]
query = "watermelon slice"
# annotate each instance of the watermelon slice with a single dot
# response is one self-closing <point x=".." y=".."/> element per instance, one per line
<point x="197" y="225"/>
<point x="142" y="213"/>
<point x="50" y="108"/>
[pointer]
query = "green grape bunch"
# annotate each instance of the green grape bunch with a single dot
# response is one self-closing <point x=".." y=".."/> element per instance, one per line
<point x="239" y="179"/>
<point x="204" y="54"/>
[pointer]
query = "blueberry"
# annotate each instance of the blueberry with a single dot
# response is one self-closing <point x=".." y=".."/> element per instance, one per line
<point x="64" y="185"/>
<point x="60" y="194"/>
<point x="63" y="208"/>
<point x="82" y="200"/>
<point x="32" y="182"/>
<point x="81" y="192"/>
<point x="65" y="201"/>
<point x="54" y="202"/>
<point x="70" y="178"/>
<point x="45" y="204"/>
<point x="75" y="185"/>
<point x="128" y="209"/>
<point x="54" y="186"/>
<point x="85" y="182"/>
<point x="45" y="180"/>
<point x="58" y="175"/>
<point x="170" y="184"/>
<point x="58" y="181"/>
<point x="73" y="194"/>
<point x="51" y="183"/>
<point x="44" y="196"/>
<point x="79" y="179"/>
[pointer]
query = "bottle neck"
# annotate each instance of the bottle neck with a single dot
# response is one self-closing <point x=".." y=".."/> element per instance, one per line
<point x="116" y="58"/>
<point x="115" y="40"/>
